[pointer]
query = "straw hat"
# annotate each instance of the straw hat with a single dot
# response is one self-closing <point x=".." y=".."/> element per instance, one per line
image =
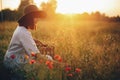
<point x="32" y="11"/>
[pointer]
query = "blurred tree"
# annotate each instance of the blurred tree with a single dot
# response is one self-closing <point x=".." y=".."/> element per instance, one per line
<point x="49" y="8"/>
<point x="9" y="15"/>
<point x="22" y="6"/>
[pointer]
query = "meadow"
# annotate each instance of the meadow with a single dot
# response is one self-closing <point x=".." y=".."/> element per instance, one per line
<point x="92" y="46"/>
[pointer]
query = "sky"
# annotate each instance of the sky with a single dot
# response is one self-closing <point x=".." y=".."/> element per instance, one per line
<point x="109" y="7"/>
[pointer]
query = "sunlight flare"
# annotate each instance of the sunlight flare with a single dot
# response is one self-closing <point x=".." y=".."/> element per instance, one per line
<point x="80" y="6"/>
<point x="9" y="4"/>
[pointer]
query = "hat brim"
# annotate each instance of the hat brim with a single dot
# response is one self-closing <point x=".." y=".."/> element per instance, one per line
<point x="35" y="14"/>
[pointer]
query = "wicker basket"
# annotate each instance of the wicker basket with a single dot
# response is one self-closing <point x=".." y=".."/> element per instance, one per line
<point x="45" y="49"/>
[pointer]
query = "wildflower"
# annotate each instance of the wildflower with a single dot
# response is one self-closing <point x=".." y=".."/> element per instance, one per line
<point x="49" y="64"/>
<point x="33" y="54"/>
<point x="26" y="57"/>
<point x="67" y="68"/>
<point x="12" y="56"/>
<point x="57" y="57"/>
<point x="60" y="59"/>
<point x="77" y="70"/>
<point x="70" y="75"/>
<point x="32" y="61"/>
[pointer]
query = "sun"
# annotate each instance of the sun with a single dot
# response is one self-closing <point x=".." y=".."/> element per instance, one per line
<point x="80" y="6"/>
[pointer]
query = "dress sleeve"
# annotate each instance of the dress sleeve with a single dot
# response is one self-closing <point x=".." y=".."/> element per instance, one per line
<point x="28" y="43"/>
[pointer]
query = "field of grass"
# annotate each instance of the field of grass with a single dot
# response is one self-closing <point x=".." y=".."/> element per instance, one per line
<point x="92" y="46"/>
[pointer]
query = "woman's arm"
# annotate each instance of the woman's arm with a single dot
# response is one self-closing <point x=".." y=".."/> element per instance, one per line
<point x="28" y="43"/>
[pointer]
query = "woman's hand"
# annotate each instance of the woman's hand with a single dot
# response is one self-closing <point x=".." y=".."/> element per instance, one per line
<point x="49" y="57"/>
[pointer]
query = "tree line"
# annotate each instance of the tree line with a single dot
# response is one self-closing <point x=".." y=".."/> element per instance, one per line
<point x="49" y="8"/>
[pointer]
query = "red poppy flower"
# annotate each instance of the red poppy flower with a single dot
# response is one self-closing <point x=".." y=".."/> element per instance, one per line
<point x="33" y="54"/>
<point x="77" y="70"/>
<point x="32" y="61"/>
<point x="67" y="68"/>
<point x="60" y="59"/>
<point x="70" y="75"/>
<point x="49" y="64"/>
<point x="57" y="57"/>
<point x="12" y="56"/>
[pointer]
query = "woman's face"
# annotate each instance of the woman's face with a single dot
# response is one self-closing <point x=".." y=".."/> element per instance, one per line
<point x="36" y="20"/>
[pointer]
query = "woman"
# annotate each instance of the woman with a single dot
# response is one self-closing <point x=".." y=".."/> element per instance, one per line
<point x="22" y="43"/>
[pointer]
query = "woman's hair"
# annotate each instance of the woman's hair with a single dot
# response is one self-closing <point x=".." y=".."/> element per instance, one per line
<point x="27" y="21"/>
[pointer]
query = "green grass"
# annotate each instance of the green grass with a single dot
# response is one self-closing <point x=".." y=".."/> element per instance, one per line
<point x="90" y="45"/>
